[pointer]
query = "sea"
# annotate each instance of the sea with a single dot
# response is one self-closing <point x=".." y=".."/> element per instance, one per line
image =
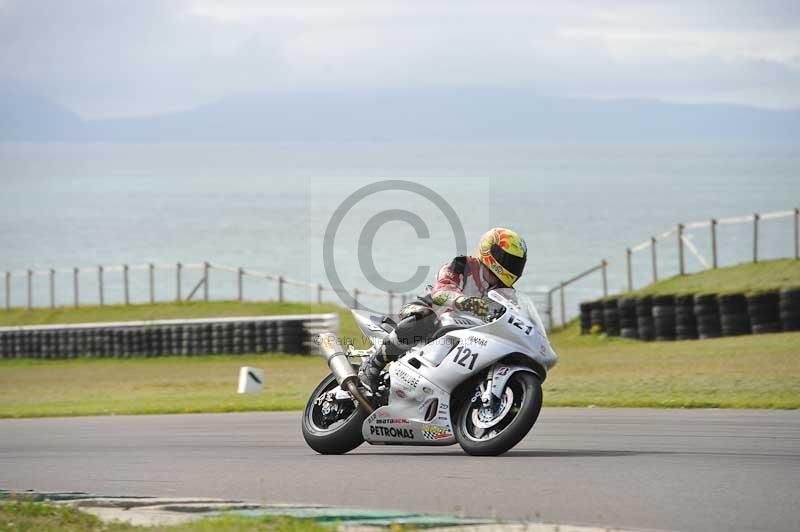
<point x="375" y="216"/>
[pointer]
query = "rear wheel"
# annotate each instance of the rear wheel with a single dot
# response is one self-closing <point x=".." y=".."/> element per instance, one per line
<point x="332" y="426"/>
<point x="482" y="431"/>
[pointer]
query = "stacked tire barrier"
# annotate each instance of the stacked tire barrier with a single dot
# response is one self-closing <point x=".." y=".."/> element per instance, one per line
<point x="644" y="318"/>
<point x="664" y="317"/>
<point x="611" y="317"/>
<point x="706" y="313"/>
<point x="597" y="316"/>
<point x="789" y="308"/>
<point x="763" y="313"/>
<point x="287" y="334"/>
<point x="686" y="317"/>
<point x="733" y="314"/>
<point x="586" y="318"/>
<point x="685" y="321"/>
<point x="628" y="328"/>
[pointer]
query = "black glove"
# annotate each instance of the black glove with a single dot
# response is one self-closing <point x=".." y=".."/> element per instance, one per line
<point x="476" y="305"/>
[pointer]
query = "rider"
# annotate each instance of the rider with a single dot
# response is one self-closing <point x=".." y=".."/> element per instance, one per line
<point x="460" y="285"/>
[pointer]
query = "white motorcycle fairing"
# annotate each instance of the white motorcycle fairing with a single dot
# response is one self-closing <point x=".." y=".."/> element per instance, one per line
<point x="422" y="381"/>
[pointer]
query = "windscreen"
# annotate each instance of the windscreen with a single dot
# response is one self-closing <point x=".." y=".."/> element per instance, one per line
<point x="521" y="304"/>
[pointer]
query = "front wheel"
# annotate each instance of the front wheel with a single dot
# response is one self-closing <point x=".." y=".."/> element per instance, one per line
<point x="483" y="431"/>
<point x="332" y="426"/>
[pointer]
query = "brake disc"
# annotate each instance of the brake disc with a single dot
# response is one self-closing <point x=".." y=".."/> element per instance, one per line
<point x="485" y="418"/>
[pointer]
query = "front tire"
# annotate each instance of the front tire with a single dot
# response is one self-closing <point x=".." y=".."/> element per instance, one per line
<point x="524" y="402"/>
<point x="339" y="437"/>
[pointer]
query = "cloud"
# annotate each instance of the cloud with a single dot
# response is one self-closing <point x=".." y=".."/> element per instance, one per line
<point x="104" y="57"/>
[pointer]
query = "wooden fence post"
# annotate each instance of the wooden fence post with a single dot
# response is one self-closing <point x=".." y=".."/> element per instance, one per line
<point x="280" y="288"/>
<point x="178" y="267"/>
<point x="75" y="291"/>
<point x="391" y="298"/>
<point x="30" y="289"/>
<point x="100" y="284"/>
<point x="151" y="282"/>
<point x="630" y="270"/>
<point x="355" y="298"/>
<point x="319" y="293"/>
<point x="205" y="281"/>
<point x="797" y="234"/>
<point x="653" y="256"/>
<point x="240" y="283"/>
<point x="8" y="290"/>
<point x="604" y="266"/>
<point x="563" y="306"/>
<point x="681" y="262"/>
<point x="550" y="309"/>
<point x="52" y="288"/>
<point x="125" y="284"/>
<point x="755" y="237"/>
<point x="403" y="300"/>
<point x="714" y="243"/>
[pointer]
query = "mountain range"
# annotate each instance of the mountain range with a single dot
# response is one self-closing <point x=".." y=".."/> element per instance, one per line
<point x="468" y="114"/>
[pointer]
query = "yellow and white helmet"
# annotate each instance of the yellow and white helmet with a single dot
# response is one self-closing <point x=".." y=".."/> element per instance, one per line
<point x="504" y="252"/>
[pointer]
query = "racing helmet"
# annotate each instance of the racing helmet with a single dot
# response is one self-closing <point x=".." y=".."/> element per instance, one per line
<point x="504" y="252"/>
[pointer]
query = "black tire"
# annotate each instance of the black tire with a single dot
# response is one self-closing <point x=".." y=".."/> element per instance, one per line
<point x="788" y="315"/>
<point x="735" y="324"/>
<point x="762" y="309"/>
<point x="705" y="310"/>
<point x="764" y="328"/>
<point x="646" y="333"/>
<point x="735" y="321"/>
<point x="644" y="321"/>
<point x="789" y="305"/>
<point x="790" y="325"/>
<point x="732" y="304"/>
<point x="663" y="311"/>
<point x="707" y="334"/>
<point x="511" y="434"/>
<point x="644" y="305"/>
<point x="705" y="299"/>
<point x="343" y="438"/>
<point x="629" y="332"/>
<point x="790" y="294"/>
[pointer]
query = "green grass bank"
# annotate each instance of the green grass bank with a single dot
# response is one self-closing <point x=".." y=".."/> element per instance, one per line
<point x="740" y="372"/>
<point x="746" y="278"/>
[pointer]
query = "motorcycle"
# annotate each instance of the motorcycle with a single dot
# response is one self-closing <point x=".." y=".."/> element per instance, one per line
<point x="477" y="382"/>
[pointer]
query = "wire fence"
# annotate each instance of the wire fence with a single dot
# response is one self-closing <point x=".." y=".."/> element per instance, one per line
<point x="684" y="236"/>
<point x="148" y="283"/>
<point x="128" y="284"/>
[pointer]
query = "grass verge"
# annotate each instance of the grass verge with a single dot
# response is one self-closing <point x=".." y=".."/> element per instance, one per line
<point x="41" y="517"/>
<point x="79" y="387"/>
<point x="742" y="278"/>
<point x="741" y="372"/>
<point x="760" y="371"/>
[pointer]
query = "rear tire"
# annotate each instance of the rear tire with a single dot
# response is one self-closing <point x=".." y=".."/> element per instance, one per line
<point x="531" y="404"/>
<point x="339" y="440"/>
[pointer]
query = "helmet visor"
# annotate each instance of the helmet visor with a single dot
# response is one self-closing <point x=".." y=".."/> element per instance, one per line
<point x="510" y="262"/>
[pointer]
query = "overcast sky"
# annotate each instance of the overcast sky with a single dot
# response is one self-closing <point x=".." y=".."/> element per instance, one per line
<point x="120" y="58"/>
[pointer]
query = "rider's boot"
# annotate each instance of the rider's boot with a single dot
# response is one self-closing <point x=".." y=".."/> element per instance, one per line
<point x="417" y="323"/>
<point x="370" y="371"/>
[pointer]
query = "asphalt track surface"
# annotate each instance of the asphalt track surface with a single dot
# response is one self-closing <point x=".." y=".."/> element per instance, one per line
<point x="701" y="470"/>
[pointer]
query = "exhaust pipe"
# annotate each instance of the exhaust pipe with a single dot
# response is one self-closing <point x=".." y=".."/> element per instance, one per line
<point x="342" y="369"/>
